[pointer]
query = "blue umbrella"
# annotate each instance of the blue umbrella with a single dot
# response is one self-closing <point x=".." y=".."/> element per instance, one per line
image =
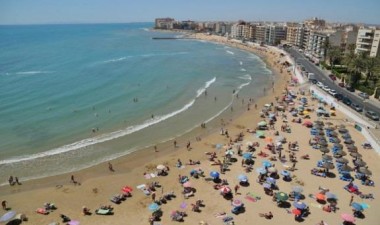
<point x="285" y="173"/>
<point x="330" y="195"/>
<point x="357" y="206"/>
<point x="154" y="207"/>
<point x="297" y="189"/>
<point x="243" y="177"/>
<point x="365" y="205"/>
<point x="266" y="163"/>
<point x="193" y="171"/>
<point x="299" y="205"/>
<point x="247" y="155"/>
<point x="261" y="170"/>
<point x="214" y="174"/>
<point x="271" y="180"/>
<point x="7" y="216"/>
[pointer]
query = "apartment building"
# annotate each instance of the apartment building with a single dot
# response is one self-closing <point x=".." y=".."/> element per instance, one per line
<point x="239" y="30"/>
<point x="316" y="45"/>
<point x="164" y="23"/>
<point x="295" y="34"/>
<point x="260" y="33"/>
<point x="315" y="23"/>
<point x="368" y="41"/>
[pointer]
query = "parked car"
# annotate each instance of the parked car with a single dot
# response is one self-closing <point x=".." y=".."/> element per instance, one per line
<point x="372" y="115"/>
<point x="326" y="88"/>
<point x="332" y="77"/>
<point x="350" y="88"/>
<point x="364" y="95"/>
<point x="346" y="101"/>
<point x="338" y="96"/>
<point x="320" y="84"/>
<point x="332" y="92"/>
<point x="341" y="84"/>
<point x="356" y="107"/>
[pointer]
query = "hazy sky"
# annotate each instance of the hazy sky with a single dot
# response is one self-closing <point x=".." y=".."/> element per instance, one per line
<point x="105" y="11"/>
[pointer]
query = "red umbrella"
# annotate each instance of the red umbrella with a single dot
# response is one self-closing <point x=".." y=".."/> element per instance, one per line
<point x="307" y="123"/>
<point x="320" y="196"/>
<point x="296" y="212"/>
<point x="225" y="189"/>
<point x="237" y="203"/>
<point x="348" y="217"/>
<point x="127" y="189"/>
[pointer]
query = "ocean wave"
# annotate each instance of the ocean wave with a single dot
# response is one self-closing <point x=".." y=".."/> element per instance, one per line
<point x="108" y="136"/>
<point x="163" y="54"/>
<point x="229" y="52"/>
<point x="242" y="69"/>
<point x="33" y="72"/>
<point x="145" y="29"/>
<point x="207" y="84"/>
<point x="241" y="63"/>
<point x="246" y="77"/>
<point x="115" y="60"/>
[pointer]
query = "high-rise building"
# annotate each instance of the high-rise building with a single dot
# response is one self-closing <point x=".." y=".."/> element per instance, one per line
<point x="260" y="33"/>
<point x="315" y="23"/>
<point x="316" y="45"/>
<point x="239" y="30"/>
<point x="295" y="34"/>
<point x="368" y="41"/>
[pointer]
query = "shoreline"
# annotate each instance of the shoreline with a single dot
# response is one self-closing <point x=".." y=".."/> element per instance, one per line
<point x="94" y="171"/>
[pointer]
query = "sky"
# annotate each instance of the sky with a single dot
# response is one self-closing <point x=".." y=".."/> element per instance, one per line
<point x="120" y="11"/>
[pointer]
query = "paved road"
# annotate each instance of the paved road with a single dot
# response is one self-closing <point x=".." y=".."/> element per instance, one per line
<point x="320" y="76"/>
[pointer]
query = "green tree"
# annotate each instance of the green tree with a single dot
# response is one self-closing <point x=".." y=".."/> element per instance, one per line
<point x="334" y="55"/>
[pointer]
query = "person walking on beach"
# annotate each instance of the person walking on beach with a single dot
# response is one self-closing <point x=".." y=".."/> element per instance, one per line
<point x="155" y="148"/>
<point x="175" y="144"/>
<point x="236" y="189"/>
<point x="16" y="181"/>
<point x="188" y="146"/>
<point x="4" y="204"/>
<point x="351" y="200"/>
<point x="73" y="180"/>
<point x="110" y="167"/>
<point x="10" y="180"/>
<point x="153" y="196"/>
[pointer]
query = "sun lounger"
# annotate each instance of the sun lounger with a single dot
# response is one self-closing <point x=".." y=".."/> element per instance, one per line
<point x="103" y="212"/>
<point x="42" y="211"/>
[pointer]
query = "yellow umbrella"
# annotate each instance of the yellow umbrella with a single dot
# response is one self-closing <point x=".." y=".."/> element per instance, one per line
<point x="306" y="112"/>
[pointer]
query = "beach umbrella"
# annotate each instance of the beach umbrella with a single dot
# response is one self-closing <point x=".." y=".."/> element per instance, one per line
<point x="266" y="163"/>
<point x="271" y="180"/>
<point x="285" y="173"/>
<point x="297" y="189"/>
<point x="237" y="203"/>
<point x="260" y="134"/>
<point x="365" y="171"/>
<point x="73" y="222"/>
<point x="247" y="155"/>
<point x="355" y="154"/>
<point x="345" y="168"/>
<point x="323" y="144"/>
<point x="161" y="167"/>
<point x="351" y="146"/>
<point x="346" y="135"/>
<point x="324" y="150"/>
<point x="280" y="139"/>
<point x="154" y="207"/>
<point x="330" y="195"/>
<point x="364" y="205"/>
<point x="352" y="150"/>
<point x="126" y="189"/>
<point x="340" y="152"/>
<point x="187" y="184"/>
<point x="214" y="174"/>
<point x="307" y="122"/>
<point x="8" y="216"/>
<point x="262" y="123"/>
<point x="267" y="186"/>
<point x="272" y="170"/>
<point x="357" y="206"/>
<point x="342" y="130"/>
<point x="359" y="162"/>
<point x="225" y="189"/>
<point x="268" y="139"/>
<point x="348" y="217"/>
<point x="296" y="212"/>
<point x="243" y="177"/>
<point x="337" y="145"/>
<point x="326" y="157"/>
<point x="320" y="196"/>
<point x="282" y="196"/>
<point x="348" y="141"/>
<point x="230" y="152"/>
<point x="300" y="205"/>
<point x="328" y="165"/>
<point x="267" y="105"/>
<point x="261" y="170"/>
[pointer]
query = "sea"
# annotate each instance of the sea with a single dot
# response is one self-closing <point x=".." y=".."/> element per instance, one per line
<point x="67" y="92"/>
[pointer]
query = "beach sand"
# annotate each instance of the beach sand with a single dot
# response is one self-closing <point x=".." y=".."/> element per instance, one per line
<point x="98" y="184"/>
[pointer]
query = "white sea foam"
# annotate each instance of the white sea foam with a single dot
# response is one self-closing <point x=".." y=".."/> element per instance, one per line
<point x="145" y="29"/>
<point x="207" y="85"/>
<point x="242" y="69"/>
<point x="109" y="136"/>
<point x="32" y="72"/>
<point x="241" y="63"/>
<point x="115" y="60"/>
<point x="246" y="77"/>
<point x="229" y="52"/>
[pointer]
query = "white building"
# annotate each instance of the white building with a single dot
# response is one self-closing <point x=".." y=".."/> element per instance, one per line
<point x="368" y="41"/>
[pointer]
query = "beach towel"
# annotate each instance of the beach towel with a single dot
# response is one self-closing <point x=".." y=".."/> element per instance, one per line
<point x="153" y="175"/>
<point x="252" y="197"/>
<point x="141" y="186"/>
<point x="183" y="205"/>
<point x="147" y="176"/>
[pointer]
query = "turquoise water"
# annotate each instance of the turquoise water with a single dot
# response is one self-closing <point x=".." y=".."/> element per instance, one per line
<point x="59" y="83"/>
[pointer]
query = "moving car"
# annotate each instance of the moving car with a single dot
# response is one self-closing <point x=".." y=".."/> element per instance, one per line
<point x="372" y="115"/>
<point x="332" y="77"/>
<point x="364" y="95"/>
<point x="356" y="107"/>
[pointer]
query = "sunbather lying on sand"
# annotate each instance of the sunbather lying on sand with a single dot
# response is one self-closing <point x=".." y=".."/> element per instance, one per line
<point x="268" y="215"/>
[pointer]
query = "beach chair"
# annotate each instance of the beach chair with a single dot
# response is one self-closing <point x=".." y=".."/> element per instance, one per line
<point x="103" y="212"/>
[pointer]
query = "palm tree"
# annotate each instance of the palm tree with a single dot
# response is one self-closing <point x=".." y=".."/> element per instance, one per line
<point x="371" y="66"/>
<point x="334" y="54"/>
<point x="355" y="66"/>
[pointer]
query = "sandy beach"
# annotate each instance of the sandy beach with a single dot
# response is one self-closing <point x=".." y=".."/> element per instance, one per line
<point x="98" y="184"/>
